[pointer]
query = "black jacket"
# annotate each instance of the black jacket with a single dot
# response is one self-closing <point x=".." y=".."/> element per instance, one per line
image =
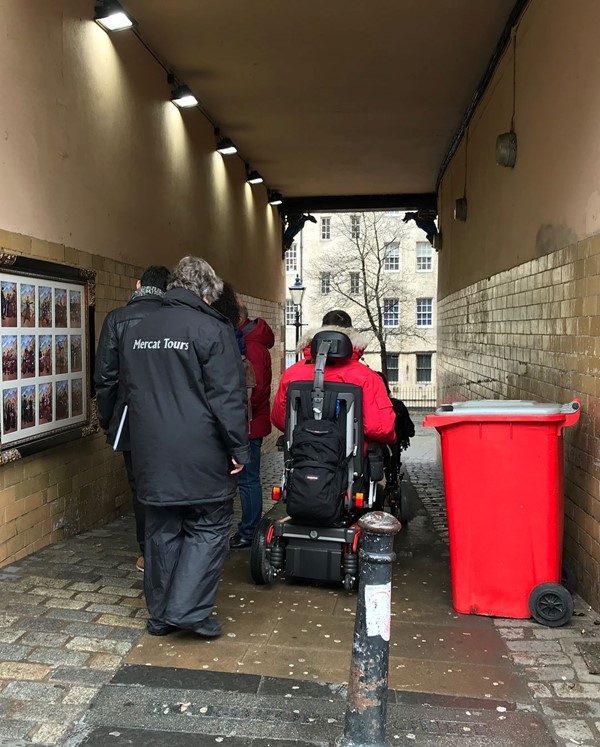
<point x="109" y="391"/>
<point x="185" y="390"/>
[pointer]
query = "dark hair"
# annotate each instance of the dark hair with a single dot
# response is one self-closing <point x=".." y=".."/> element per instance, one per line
<point x="227" y="304"/>
<point x="156" y="276"/>
<point x="336" y="318"/>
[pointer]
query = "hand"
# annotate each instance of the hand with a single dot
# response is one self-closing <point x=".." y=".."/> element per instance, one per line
<point x="236" y="467"/>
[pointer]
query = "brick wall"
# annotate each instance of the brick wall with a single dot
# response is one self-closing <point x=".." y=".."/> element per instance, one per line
<point x="71" y="488"/>
<point x="533" y="332"/>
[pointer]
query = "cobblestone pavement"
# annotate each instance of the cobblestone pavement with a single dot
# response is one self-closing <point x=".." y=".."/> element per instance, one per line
<point x="72" y="612"/>
<point x="560" y="682"/>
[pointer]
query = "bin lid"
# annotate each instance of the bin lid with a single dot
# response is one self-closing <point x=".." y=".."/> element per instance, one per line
<point x="500" y="407"/>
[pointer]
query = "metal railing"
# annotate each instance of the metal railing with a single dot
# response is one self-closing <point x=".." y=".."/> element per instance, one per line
<point x="418" y="397"/>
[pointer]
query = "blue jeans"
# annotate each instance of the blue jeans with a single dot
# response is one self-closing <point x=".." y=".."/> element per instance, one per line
<point x="250" y="492"/>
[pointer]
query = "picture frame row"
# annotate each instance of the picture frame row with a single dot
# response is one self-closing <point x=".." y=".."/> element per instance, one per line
<point x="27" y="304"/>
<point x="26" y="356"/>
<point x="34" y="405"/>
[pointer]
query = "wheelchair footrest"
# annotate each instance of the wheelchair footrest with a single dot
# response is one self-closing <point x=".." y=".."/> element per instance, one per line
<point x="317" y="552"/>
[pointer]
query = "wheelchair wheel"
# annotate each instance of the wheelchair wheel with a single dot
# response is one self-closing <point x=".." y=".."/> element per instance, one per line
<point x="404" y="509"/>
<point x="551" y="605"/>
<point x="260" y="567"/>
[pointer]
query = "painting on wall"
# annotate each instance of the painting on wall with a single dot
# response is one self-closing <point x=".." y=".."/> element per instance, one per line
<point x="9" y="357"/>
<point x="47" y="324"/>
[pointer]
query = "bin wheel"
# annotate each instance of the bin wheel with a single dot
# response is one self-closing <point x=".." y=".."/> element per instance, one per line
<point x="551" y="605"/>
<point x="261" y="569"/>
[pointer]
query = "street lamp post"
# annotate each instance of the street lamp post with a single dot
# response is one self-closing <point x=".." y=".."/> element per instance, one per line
<point x="297" y="293"/>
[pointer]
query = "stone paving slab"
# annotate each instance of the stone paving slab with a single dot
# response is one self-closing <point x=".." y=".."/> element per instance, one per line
<point x="277" y="711"/>
<point x="71" y="610"/>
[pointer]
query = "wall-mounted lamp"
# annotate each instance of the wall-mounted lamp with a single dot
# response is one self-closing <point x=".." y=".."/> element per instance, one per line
<point x="226" y="147"/>
<point x="506" y="149"/>
<point x="183" y="97"/>
<point x="275" y="198"/>
<point x="460" y="209"/>
<point x="110" y="16"/>
<point x="254" y="177"/>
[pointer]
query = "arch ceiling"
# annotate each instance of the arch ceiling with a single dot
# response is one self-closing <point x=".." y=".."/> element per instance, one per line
<point x="331" y="97"/>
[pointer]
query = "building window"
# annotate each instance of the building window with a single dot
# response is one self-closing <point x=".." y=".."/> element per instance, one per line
<point x="290" y="359"/>
<point x="391" y="312"/>
<point x="354" y="283"/>
<point x="355" y="227"/>
<point x="325" y="229"/>
<point x="424" y="312"/>
<point x="424" y="254"/>
<point x="325" y="283"/>
<point x="391" y="257"/>
<point x="424" y="368"/>
<point x="290" y="313"/>
<point x="291" y="259"/>
<point x="392" y="368"/>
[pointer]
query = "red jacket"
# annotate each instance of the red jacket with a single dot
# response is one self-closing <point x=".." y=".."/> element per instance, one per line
<point x="259" y="339"/>
<point x="378" y="412"/>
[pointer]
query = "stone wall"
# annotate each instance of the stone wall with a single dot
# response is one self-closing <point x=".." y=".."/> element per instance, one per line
<point x="71" y="488"/>
<point x="533" y="332"/>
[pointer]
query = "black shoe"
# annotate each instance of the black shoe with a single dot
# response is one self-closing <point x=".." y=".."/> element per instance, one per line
<point x="209" y="628"/>
<point x="159" y="629"/>
<point x="238" y="543"/>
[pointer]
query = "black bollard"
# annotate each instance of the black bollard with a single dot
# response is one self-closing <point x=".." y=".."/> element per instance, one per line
<point x="368" y="681"/>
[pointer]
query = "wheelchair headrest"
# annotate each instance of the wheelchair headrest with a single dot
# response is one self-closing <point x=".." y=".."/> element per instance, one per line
<point x="341" y="346"/>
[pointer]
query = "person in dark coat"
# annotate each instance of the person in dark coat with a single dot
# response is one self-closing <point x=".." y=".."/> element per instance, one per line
<point x="146" y="299"/>
<point x="186" y="397"/>
<point x="259" y="339"/>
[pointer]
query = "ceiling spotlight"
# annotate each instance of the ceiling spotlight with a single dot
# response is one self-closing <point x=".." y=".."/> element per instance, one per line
<point x="226" y="147"/>
<point x="111" y="17"/>
<point x="275" y="198"/>
<point x="183" y="97"/>
<point x="254" y="178"/>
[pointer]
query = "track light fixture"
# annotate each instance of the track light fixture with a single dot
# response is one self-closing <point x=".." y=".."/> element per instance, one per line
<point x="110" y="16"/>
<point x="226" y="147"/>
<point x="183" y="97"/>
<point x="254" y="177"/>
<point x="275" y="198"/>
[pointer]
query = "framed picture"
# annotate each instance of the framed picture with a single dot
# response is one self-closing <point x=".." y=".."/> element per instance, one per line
<point x="47" y="337"/>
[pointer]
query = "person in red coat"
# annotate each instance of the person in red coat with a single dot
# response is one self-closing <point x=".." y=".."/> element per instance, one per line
<point x="259" y="339"/>
<point x="378" y="412"/>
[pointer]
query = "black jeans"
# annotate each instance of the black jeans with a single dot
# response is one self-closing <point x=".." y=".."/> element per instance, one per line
<point x="138" y="509"/>
<point x="186" y="547"/>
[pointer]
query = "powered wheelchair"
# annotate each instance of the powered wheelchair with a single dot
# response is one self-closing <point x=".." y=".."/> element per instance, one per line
<point x="302" y="543"/>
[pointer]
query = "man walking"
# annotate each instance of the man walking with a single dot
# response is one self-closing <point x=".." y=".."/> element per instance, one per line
<point x="186" y="396"/>
<point x="146" y="299"/>
<point x="259" y="340"/>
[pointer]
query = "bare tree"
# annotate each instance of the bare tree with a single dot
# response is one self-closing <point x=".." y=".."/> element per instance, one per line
<point x="354" y="274"/>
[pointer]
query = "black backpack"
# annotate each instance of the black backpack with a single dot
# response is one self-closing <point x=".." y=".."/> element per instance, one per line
<point x="319" y="473"/>
<point x="318" y="466"/>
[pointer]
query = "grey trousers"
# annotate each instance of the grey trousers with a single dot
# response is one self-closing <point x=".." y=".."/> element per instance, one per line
<point x="184" y="554"/>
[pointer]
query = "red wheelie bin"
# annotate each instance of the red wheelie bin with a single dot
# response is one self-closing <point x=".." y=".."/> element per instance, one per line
<point x="503" y="477"/>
